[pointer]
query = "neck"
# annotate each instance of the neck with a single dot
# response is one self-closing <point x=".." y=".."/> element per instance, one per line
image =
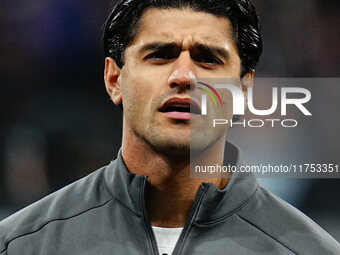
<point x="170" y="191"/>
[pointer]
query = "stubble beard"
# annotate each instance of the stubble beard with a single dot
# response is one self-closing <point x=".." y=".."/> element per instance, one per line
<point x="173" y="144"/>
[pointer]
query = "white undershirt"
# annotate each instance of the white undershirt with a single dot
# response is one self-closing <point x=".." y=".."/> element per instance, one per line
<point x="166" y="239"/>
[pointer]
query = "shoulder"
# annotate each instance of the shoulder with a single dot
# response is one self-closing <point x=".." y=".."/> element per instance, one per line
<point x="287" y="225"/>
<point x="71" y="201"/>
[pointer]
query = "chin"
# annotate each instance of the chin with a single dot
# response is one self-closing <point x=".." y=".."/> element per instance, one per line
<point x="182" y="147"/>
<point x="175" y="144"/>
<point x="176" y="150"/>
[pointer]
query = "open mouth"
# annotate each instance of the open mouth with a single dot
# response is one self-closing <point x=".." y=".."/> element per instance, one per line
<point x="180" y="108"/>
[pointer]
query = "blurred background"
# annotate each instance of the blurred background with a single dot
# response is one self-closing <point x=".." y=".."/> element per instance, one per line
<point x="58" y="124"/>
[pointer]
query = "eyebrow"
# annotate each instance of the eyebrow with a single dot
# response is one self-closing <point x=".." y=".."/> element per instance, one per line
<point x="159" y="46"/>
<point x="207" y="49"/>
<point x="213" y="50"/>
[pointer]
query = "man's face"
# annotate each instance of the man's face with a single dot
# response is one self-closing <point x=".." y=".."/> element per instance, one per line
<point x="172" y="47"/>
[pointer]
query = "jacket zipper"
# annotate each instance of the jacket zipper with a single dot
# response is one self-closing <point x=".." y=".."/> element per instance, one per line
<point x="192" y="215"/>
<point x="152" y="238"/>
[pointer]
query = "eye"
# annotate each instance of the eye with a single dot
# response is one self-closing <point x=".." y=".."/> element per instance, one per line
<point x="208" y="60"/>
<point x="160" y="55"/>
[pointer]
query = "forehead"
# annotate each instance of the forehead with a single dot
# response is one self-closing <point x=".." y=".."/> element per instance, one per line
<point x="184" y="26"/>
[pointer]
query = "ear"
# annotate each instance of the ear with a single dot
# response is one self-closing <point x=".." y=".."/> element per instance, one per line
<point x="112" y="80"/>
<point x="246" y="83"/>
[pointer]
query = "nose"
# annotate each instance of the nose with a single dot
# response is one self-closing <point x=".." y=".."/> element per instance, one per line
<point x="182" y="72"/>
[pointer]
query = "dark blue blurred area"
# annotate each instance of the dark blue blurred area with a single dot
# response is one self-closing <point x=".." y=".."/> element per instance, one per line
<point x="58" y="123"/>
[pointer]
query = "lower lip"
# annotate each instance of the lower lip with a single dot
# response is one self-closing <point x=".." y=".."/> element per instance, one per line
<point x="179" y="115"/>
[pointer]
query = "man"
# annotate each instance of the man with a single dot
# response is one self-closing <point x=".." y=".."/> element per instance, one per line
<point x="145" y="202"/>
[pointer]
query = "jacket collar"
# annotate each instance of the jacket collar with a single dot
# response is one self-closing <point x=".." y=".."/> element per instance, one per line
<point x="128" y="189"/>
<point x="218" y="204"/>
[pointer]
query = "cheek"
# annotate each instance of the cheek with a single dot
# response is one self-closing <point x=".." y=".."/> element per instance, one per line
<point x="142" y="84"/>
<point x="227" y="108"/>
<point x="136" y="95"/>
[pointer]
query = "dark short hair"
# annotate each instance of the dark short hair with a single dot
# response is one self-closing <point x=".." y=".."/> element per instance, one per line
<point x="121" y="26"/>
